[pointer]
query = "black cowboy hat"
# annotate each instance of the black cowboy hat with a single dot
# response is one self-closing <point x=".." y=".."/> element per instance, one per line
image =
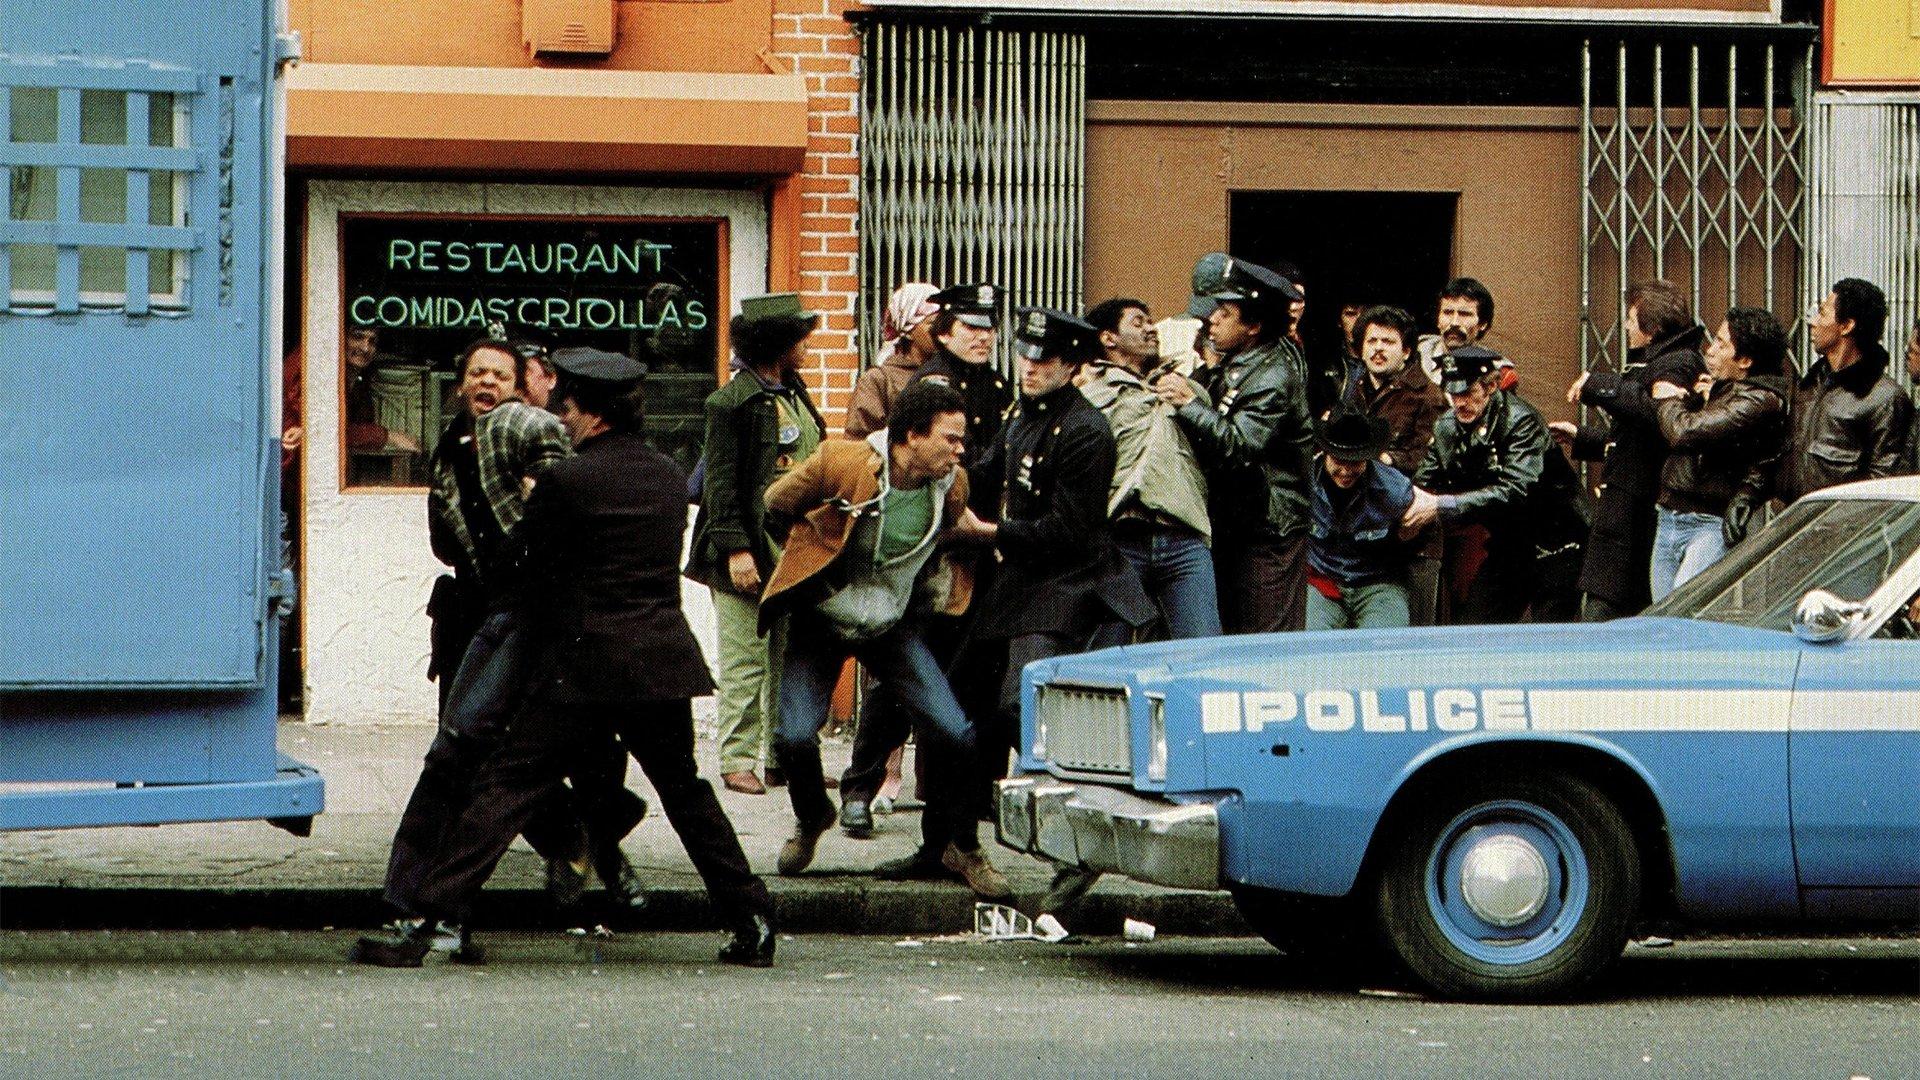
<point x="1348" y="435"/>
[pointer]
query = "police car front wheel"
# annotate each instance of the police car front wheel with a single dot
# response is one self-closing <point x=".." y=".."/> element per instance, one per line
<point x="1511" y="888"/>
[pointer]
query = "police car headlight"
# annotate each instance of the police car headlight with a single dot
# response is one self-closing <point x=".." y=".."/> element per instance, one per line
<point x="1157" y="738"/>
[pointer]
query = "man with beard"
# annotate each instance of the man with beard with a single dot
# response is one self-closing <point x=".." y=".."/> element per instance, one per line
<point x="1664" y="346"/>
<point x="1254" y="444"/>
<point x="612" y="653"/>
<point x="1494" y="481"/>
<point x="1394" y="389"/>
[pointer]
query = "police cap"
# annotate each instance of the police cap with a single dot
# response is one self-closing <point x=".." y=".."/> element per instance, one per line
<point x="1466" y="365"/>
<point x="976" y="305"/>
<point x="597" y="365"/>
<point x="1043" y="332"/>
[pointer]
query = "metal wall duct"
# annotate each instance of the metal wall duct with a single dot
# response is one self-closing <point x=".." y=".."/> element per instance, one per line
<point x="973" y="164"/>
<point x="1693" y="159"/>
<point x="1864" y="180"/>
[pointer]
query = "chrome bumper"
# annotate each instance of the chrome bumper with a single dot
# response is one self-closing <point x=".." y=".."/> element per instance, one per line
<point x="1112" y="831"/>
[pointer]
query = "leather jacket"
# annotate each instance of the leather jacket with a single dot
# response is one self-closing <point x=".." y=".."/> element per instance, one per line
<point x="1846" y="425"/>
<point x="1505" y="473"/>
<point x="1717" y="438"/>
<point x="1255" y="442"/>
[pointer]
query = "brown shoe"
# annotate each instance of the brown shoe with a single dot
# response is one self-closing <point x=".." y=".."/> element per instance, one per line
<point x="797" y="853"/>
<point x="986" y="882"/>
<point x="745" y="782"/>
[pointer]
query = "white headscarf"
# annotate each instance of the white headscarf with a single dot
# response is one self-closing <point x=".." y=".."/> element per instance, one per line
<point x="907" y="308"/>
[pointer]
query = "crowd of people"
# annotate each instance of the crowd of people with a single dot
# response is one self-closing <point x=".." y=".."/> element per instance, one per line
<point x="1137" y="479"/>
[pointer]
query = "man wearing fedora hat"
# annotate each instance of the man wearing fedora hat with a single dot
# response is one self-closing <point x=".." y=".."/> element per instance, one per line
<point x="614" y="654"/>
<point x="759" y="427"/>
<point x="1254" y="442"/>
<point x="1356" y="560"/>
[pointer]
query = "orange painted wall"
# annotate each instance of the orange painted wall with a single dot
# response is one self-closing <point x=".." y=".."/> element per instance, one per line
<point x="649" y="35"/>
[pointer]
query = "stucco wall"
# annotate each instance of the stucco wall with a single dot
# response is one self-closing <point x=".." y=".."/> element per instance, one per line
<point x="367" y="568"/>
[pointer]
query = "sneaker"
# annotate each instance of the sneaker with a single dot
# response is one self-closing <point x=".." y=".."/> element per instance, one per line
<point x="855" y="819"/>
<point x="922" y="865"/>
<point x="797" y="853"/>
<point x="980" y="875"/>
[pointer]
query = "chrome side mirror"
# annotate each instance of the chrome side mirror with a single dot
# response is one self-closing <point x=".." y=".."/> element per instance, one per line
<point x="1822" y="617"/>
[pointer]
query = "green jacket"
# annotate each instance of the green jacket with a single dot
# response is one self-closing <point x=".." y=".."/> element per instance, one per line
<point x="742" y="451"/>
<point x="1255" y="442"/>
<point x="1154" y="467"/>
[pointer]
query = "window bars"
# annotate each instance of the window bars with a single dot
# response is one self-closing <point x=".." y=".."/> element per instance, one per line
<point x="972" y="165"/>
<point x="1708" y="192"/>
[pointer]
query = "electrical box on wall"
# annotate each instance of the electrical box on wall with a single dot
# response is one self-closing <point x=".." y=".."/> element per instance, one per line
<point x="567" y="27"/>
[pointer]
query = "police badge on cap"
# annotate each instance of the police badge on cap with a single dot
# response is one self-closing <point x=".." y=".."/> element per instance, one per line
<point x="1464" y="366"/>
<point x="977" y="305"/>
<point x="1044" y="333"/>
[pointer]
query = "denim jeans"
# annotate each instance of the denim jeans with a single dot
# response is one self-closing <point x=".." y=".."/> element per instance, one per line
<point x="1177" y="570"/>
<point x="1684" y="543"/>
<point x="899" y="658"/>
<point x="1360" y="607"/>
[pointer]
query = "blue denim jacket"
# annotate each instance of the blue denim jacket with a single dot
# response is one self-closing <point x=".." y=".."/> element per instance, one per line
<point x="1353" y="535"/>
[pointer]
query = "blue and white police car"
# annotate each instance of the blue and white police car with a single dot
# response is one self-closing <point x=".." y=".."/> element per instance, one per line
<point x="1501" y="806"/>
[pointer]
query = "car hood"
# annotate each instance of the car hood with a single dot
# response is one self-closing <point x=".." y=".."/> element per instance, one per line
<point x="1636" y="652"/>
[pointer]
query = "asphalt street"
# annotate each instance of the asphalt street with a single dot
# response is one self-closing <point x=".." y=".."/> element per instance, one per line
<point x="279" y="1004"/>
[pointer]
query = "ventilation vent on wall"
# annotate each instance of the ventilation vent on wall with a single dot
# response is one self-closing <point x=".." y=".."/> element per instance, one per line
<point x="567" y="27"/>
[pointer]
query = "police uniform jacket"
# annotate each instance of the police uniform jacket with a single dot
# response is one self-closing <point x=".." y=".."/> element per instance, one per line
<point x="1052" y="468"/>
<point x="1255" y="442"/>
<point x="1505" y="473"/>
<point x="1631" y="451"/>
<point x="602" y="533"/>
<point x="984" y="389"/>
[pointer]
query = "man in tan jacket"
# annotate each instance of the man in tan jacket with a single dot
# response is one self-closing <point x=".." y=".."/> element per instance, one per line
<point x="858" y="570"/>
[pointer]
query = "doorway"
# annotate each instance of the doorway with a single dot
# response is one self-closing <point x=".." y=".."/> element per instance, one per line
<point x="1367" y="247"/>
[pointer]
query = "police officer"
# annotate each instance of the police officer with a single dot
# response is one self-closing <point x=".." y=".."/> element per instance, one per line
<point x="1255" y="443"/>
<point x="1060" y="578"/>
<point x="965" y="330"/>
<point x="603" y="536"/>
<point x="1508" y="501"/>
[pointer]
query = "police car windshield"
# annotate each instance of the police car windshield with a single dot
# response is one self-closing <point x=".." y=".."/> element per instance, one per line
<point x="1848" y="547"/>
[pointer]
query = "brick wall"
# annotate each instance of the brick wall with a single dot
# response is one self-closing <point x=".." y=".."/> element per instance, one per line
<point x="814" y="39"/>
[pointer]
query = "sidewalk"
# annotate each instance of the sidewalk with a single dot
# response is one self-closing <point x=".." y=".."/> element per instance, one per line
<point x="249" y="874"/>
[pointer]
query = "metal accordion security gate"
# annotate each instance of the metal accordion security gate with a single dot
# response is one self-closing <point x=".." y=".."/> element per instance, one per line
<point x="1693" y="164"/>
<point x="973" y="163"/>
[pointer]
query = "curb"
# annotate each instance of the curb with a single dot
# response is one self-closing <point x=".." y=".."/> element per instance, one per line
<point x="844" y="905"/>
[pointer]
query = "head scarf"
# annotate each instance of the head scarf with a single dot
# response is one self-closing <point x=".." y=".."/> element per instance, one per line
<point x="907" y="308"/>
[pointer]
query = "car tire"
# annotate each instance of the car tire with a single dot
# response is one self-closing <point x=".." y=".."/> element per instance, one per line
<point x="1510" y="888"/>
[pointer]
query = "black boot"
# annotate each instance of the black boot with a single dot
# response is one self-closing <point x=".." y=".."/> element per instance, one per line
<point x="752" y="944"/>
<point x="624" y="890"/>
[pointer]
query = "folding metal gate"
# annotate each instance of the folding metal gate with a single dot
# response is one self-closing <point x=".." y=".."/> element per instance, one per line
<point x="1708" y="191"/>
<point x="973" y="163"/>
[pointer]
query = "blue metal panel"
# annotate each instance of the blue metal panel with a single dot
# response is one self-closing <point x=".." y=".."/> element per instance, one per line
<point x="136" y="470"/>
<point x="293" y="791"/>
<point x="1856" y="765"/>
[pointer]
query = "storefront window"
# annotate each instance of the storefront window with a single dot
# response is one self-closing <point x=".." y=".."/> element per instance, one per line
<point x="417" y="290"/>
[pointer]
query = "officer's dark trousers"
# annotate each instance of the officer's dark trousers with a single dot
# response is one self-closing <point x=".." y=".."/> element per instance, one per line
<point x="1262" y="583"/>
<point x="489" y="686"/>
<point x="543" y="747"/>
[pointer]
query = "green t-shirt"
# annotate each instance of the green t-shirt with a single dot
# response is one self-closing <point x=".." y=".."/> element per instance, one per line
<point x="905" y="518"/>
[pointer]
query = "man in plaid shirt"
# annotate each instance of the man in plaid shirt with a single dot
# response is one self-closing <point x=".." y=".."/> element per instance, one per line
<point x="484" y="467"/>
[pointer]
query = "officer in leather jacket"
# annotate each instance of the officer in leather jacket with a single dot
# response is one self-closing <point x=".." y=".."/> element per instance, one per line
<point x="1255" y="444"/>
<point x="1511" y="506"/>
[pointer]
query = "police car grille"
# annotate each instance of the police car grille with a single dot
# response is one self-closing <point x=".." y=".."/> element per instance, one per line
<point x="1088" y="729"/>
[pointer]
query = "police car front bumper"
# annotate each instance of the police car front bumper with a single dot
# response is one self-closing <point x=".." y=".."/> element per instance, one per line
<point x="1105" y="829"/>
